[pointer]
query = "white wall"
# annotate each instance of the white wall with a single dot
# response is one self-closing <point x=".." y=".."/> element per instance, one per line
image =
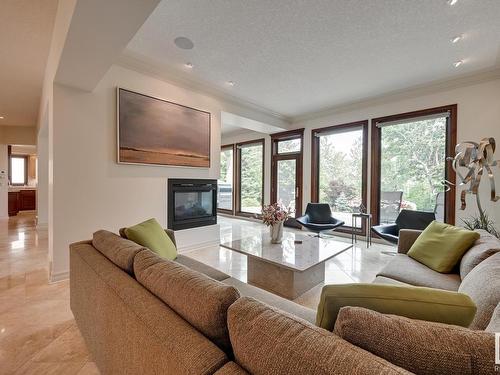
<point x="42" y="198"/>
<point x="4" y="186"/>
<point x="478" y="117"/>
<point x="90" y="190"/>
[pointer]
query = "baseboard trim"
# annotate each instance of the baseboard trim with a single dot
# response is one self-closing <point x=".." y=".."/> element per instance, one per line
<point x="42" y="226"/>
<point x="59" y="276"/>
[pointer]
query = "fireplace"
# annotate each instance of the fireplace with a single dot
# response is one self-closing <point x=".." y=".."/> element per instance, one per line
<point x="191" y="203"/>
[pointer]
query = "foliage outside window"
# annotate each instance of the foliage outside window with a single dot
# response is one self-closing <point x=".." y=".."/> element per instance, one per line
<point x="251" y="177"/>
<point x="413" y="167"/>
<point x="225" y="183"/>
<point x="340" y="163"/>
<point x="291" y="145"/>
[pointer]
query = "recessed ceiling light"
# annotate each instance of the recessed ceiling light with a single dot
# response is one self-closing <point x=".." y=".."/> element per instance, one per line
<point x="188" y="65"/>
<point x="1" y="117"/>
<point x="456" y="39"/>
<point x="230" y="83"/>
<point x="452" y="2"/>
<point x="183" y="43"/>
<point x="456" y="64"/>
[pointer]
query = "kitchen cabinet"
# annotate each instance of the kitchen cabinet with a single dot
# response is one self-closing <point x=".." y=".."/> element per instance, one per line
<point x="22" y="200"/>
<point x="13" y="203"/>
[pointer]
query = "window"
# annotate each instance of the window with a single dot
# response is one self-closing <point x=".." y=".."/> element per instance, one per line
<point x="250" y="177"/>
<point x="18" y="170"/>
<point x="339" y="155"/>
<point x="289" y="146"/>
<point x="286" y="169"/>
<point x="225" y="194"/>
<point x="409" y="164"/>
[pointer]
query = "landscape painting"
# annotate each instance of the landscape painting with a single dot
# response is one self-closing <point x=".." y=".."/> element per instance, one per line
<point x="154" y="131"/>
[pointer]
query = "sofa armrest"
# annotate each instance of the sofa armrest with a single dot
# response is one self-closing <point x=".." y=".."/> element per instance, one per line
<point x="413" y="302"/>
<point x="406" y="239"/>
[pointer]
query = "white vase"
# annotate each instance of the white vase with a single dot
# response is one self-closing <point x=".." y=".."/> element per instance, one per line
<point x="276" y="231"/>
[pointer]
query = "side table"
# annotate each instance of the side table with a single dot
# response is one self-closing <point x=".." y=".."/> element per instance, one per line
<point x="368" y="233"/>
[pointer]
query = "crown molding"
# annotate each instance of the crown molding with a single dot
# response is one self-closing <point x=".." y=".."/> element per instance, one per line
<point x="143" y="65"/>
<point x="412" y="92"/>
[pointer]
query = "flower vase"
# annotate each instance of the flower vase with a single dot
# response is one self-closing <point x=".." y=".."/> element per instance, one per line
<point x="276" y="231"/>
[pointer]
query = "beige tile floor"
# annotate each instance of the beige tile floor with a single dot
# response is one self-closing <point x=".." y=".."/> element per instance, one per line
<point x="37" y="332"/>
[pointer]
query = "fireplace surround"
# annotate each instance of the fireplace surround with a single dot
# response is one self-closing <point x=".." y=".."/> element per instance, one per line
<point x="191" y="203"/>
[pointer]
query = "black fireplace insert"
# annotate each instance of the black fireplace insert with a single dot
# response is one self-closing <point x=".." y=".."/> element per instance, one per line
<point x="191" y="203"/>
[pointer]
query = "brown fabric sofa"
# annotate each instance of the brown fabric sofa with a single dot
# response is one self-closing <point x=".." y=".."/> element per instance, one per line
<point x="140" y="314"/>
<point x="477" y="274"/>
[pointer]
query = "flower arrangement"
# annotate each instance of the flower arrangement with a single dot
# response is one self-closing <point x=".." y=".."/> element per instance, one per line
<point x="275" y="213"/>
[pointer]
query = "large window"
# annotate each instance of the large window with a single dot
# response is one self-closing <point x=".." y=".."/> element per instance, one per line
<point x="225" y="194"/>
<point x="410" y="167"/>
<point x="250" y="173"/>
<point x="339" y="155"/>
<point x="18" y="170"/>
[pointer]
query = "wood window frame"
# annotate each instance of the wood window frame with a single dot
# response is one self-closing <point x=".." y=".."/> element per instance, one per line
<point x="231" y="147"/>
<point x="451" y="141"/>
<point x="238" y="146"/>
<point x="298" y="156"/>
<point x="364" y="167"/>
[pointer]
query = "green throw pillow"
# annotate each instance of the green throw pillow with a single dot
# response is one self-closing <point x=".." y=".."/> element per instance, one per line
<point x="150" y="234"/>
<point x="441" y="246"/>
<point x="413" y="302"/>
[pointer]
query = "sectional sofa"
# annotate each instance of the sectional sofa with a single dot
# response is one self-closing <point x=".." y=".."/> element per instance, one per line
<point x="141" y="314"/>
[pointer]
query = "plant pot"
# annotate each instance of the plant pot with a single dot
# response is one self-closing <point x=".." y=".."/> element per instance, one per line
<point x="276" y="231"/>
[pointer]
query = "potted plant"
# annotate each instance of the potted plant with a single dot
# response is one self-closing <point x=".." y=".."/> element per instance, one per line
<point x="274" y="215"/>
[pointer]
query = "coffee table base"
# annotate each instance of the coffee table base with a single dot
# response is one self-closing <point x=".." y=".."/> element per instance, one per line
<point x="283" y="281"/>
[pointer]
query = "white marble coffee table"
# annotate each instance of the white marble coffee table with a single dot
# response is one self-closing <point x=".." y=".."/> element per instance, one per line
<point x="290" y="268"/>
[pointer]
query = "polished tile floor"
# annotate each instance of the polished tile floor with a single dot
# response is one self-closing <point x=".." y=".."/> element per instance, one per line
<point x="357" y="265"/>
<point x="37" y="332"/>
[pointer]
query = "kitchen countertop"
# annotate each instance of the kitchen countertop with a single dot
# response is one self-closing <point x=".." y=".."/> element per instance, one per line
<point x="15" y="189"/>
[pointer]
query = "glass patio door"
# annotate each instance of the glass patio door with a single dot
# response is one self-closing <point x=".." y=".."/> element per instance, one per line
<point x="286" y="181"/>
<point x="286" y="171"/>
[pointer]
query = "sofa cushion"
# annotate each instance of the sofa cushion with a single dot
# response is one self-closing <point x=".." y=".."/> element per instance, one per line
<point x="268" y="341"/>
<point x="418" y="346"/>
<point x="200" y="300"/>
<point x="407" y="270"/>
<point x="411" y="301"/>
<point x="441" y="246"/>
<point x="388" y="281"/>
<point x="483" y="248"/>
<point x="201" y="267"/>
<point x="126" y="328"/>
<point x="494" y="324"/>
<point x="273" y="300"/>
<point x="169" y="233"/>
<point x="118" y="250"/>
<point x="231" y="368"/>
<point x="151" y="235"/>
<point x="482" y="284"/>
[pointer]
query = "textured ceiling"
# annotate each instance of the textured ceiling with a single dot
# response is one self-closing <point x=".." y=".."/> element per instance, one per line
<point x="295" y="57"/>
<point x="25" y="34"/>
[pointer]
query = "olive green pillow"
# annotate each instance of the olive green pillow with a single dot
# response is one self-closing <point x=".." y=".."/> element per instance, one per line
<point x="435" y="305"/>
<point x="441" y="246"/>
<point x="150" y="234"/>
